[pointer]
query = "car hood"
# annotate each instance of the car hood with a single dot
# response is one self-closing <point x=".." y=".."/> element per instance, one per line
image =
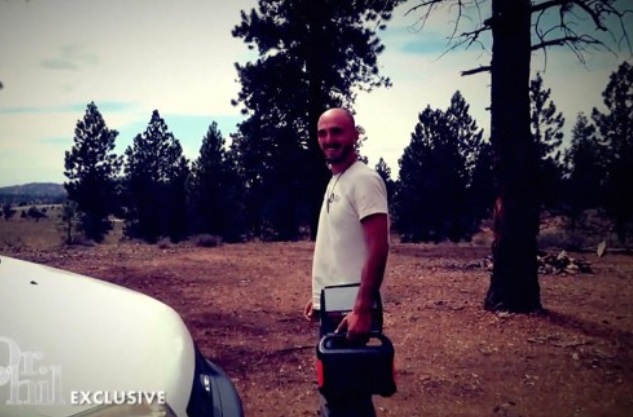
<point x="67" y="332"/>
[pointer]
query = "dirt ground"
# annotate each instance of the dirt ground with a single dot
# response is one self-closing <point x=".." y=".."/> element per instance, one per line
<point x="243" y="306"/>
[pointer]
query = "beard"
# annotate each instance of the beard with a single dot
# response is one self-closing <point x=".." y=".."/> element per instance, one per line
<point x="342" y="153"/>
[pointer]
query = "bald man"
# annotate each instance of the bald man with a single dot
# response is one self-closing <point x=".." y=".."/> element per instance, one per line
<point x="352" y="243"/>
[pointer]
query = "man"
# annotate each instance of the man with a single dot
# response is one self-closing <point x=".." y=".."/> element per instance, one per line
<point x="352" y="241"/>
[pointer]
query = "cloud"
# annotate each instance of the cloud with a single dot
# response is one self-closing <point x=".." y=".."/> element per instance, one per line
<point x="71" y="57"/>
<point x="178" y="57"/>
<point x="106" y="106"/>
<point x="189" y="130"/>
<point x="59" y="64"/>
<point x="180" y="60"/>
<point x="28" y="158"/>
<point x="402" y="38"/>
<point x="23" y="110"/>
<point x="426" y="46"/>
<point x="56" y="140"/>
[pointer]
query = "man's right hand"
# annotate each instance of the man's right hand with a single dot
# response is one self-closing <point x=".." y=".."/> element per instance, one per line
<point x="308" y="312"/>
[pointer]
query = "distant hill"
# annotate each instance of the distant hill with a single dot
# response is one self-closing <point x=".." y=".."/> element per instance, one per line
<point x="33" y="193"/>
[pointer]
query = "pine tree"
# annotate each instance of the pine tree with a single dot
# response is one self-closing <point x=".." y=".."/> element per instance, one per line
<point x="272" y="167"/>
<point x="156" y="176"/>
<point x="430" y="184"/>
<point x="586" y="170"/>
<point x="440" y="177"/>
<point x="516" y="35"/>
<point x="616" y="129"/>
<point x="475" y="170"/>
<point x="236" y="192"/>
<point x="481" y="192"/>
<point x="69" y="221"/>
<point x="8" y="211"/>
<point x="210" y="185"/>
<point x="547" y="135"/>
<point x="313" y="54"/>
<point x="385" y="173"/>
<point x="465" y="131"/>
<point x="91" y="167"/>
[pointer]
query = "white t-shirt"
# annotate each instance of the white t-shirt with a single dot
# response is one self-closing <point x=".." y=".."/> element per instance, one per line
<point x="340" y="249"/>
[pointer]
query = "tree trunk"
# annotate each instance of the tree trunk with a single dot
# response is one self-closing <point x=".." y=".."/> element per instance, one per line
<point x="514" y="282"/>
<point x="69" y="238"/>
<point x="319" y="174"/>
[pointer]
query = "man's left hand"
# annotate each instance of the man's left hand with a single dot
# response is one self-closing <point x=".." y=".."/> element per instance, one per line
<point x="357" y="324"/>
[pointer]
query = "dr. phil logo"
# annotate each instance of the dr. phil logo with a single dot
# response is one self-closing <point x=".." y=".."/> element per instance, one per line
<point x="26" y="377"/>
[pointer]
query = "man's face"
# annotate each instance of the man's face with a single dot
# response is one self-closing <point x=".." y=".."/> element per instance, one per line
<point x="337" y="136"/>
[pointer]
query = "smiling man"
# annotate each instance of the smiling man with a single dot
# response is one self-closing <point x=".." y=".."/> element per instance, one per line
<point x="352" y="243"/>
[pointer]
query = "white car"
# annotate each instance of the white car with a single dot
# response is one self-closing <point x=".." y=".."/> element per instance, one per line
<point x="71" y="345"/>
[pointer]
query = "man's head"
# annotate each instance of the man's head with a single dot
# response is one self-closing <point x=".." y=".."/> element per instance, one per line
<point x="337" y="134"/>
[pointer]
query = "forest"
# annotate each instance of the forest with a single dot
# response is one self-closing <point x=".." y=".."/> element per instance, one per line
<point x="266" y="181"/>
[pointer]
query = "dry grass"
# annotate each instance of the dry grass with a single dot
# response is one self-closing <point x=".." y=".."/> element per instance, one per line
<point x="242" y="304"/>
<point x="46" y="234"/>
<point x="24" y="234"/>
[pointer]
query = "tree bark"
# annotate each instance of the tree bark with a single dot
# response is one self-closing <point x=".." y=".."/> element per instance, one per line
<point x="514" y="282"/>
<point x="319" y="175"/>
<point x="315" y="57"/>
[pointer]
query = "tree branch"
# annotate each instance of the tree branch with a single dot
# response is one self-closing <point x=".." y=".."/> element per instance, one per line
<point x="566" y="40"/>
<point x="424" y="4"/>
<point x="548" y="4"/>
<point x="595" y="13"/>
<point x="479" y="69"/>
<point x="474" y="34"/>
<point x="603" y="13"/>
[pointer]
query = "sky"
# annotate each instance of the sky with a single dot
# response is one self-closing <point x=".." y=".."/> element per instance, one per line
<point x="133" y="56"/>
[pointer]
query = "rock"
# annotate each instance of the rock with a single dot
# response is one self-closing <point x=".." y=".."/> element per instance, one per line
<point x="602" y="248"/>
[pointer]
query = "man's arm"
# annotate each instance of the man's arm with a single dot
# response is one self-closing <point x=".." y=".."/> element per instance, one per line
<point x="376" y="233"/>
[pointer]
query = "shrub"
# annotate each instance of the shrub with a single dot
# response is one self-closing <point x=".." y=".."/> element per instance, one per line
<point x="207" y="241"/>
<point x="569" y="240"/>
<point x="164" y="243"/>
